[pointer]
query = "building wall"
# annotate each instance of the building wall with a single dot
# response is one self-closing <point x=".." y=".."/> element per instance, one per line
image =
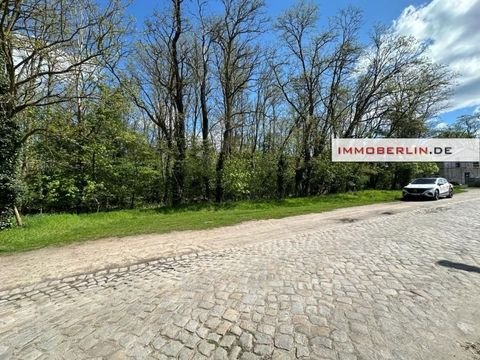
<point x="456" y="171"/>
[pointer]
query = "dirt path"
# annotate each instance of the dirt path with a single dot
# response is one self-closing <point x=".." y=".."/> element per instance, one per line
<point x="59" y="262"/>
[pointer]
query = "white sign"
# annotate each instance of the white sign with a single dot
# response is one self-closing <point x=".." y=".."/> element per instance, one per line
<point x="405" y="150"/>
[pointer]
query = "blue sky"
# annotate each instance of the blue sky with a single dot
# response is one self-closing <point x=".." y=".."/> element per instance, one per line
<point x="450" y="24"/>
<point x="374" y="10"/>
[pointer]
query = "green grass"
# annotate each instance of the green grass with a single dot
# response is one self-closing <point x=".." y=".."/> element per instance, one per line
<point x="57" y="229"/>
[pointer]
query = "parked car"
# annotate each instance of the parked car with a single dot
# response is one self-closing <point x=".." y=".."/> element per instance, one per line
<point x="431" y="188"/>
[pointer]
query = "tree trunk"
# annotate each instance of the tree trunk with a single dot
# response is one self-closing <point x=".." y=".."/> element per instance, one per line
<point x="9" y="150"/>
<point x="219" y="190"/>
<point x="225" y="150"/>
<point x="10" y="143"/>
<point x="179" y="163"/>
<point x="167" y="175"/>
<point x="205" y="130"/>
<point x="281" y="167"/>
<point x="18" y="218"/>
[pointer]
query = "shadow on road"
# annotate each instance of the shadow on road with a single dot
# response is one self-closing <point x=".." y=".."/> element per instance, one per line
<point x="459" y="266"/>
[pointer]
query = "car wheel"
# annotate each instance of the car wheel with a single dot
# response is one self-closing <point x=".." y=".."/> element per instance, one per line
<point x="450" y="193"/>
<point x="437" y="195"/>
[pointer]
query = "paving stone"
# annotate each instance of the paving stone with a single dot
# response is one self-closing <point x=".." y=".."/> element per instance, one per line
<point x="283" y="341"/>
<point x="170" y="331"/>
<point x="286" y="329"/>
<point x="246" y="341"/>
<point x="159" y="342"/>
<point x="103" y="349"/>
<point x="118" y="355"/>
<point x="358" y="327"/>
<point x="261" y="338"/>
<point x="231" y="315"/>
<point x="263" y="350"/>
<point x="86" y="344"/>
<point x="223" y="327"/>
<point x="235" y="353"/>
<point x="212" y="337"/>
<point x="190" y="340"/>
<point x="249" y="356"/>
<point x="339" y="335"/>
<point x="281" y="355"/>
<point x="202" y="332"/>
<point x="186" y="354"/>
<point x="236" y="330"/>
<point x="302" y="352"/>
<point x="212" y="323"/>
<point x="321" y="341"/>
<point x="138" y="352"/>
<point x="227" y="340"/>
<point x="192" y="325"/>
<point x="266" y="329"/>
<point x="220" y="354"/>
<point x="172" y="348"/>
<point x="206" y="348"/>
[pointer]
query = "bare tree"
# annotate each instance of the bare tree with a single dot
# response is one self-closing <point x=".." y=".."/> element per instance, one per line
<point x="178" y="85"/>
<point x="468" y="125"/>
<point x="387" y="61"/>
<point x="417" y="94"/>
<point x="201" y="63"/>
<point x="341" y="73"/>
<point x="237" y="57"/>
<point x="160" y="74"/>
<point x="300" y="76"/>
<point x="266" y="101"/>
<point x="464" y="126"/>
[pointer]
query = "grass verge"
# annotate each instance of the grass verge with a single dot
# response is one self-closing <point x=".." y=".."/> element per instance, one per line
<point x="57" y="229"/>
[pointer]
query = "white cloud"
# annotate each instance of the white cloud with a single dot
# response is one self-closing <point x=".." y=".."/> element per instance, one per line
<point x="436" y="124"/>
<point x="451" y="27"/>
<point x="441" y="126"/>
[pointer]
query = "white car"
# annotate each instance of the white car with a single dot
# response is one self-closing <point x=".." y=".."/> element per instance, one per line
<point x="432" y="188"/>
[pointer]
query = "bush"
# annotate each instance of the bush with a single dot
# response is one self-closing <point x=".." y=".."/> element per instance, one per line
<point x="263" y="180"/>
<point x="237" y="176"/>
<point x="328" y="176"/>
<point x="397" y="175"/>
<point x="197" y="170"/>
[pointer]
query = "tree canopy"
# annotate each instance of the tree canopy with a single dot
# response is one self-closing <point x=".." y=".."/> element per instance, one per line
<point x="196" y="106"/>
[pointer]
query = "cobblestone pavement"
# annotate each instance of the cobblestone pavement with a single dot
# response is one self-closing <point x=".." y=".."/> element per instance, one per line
<point x="370" y="289"/>
<point x="23" y="269"/>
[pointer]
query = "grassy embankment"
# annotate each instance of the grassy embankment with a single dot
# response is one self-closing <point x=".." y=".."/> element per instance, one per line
<point x="57" y="229"/>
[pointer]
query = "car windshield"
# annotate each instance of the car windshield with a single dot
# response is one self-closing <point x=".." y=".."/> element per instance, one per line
<point x="424" y="181"/>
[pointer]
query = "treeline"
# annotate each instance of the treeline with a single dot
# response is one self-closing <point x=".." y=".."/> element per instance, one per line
<point x="199" y="105"/>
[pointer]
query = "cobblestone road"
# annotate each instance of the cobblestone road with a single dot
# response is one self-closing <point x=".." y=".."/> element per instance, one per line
<point x="370" y="289"/>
